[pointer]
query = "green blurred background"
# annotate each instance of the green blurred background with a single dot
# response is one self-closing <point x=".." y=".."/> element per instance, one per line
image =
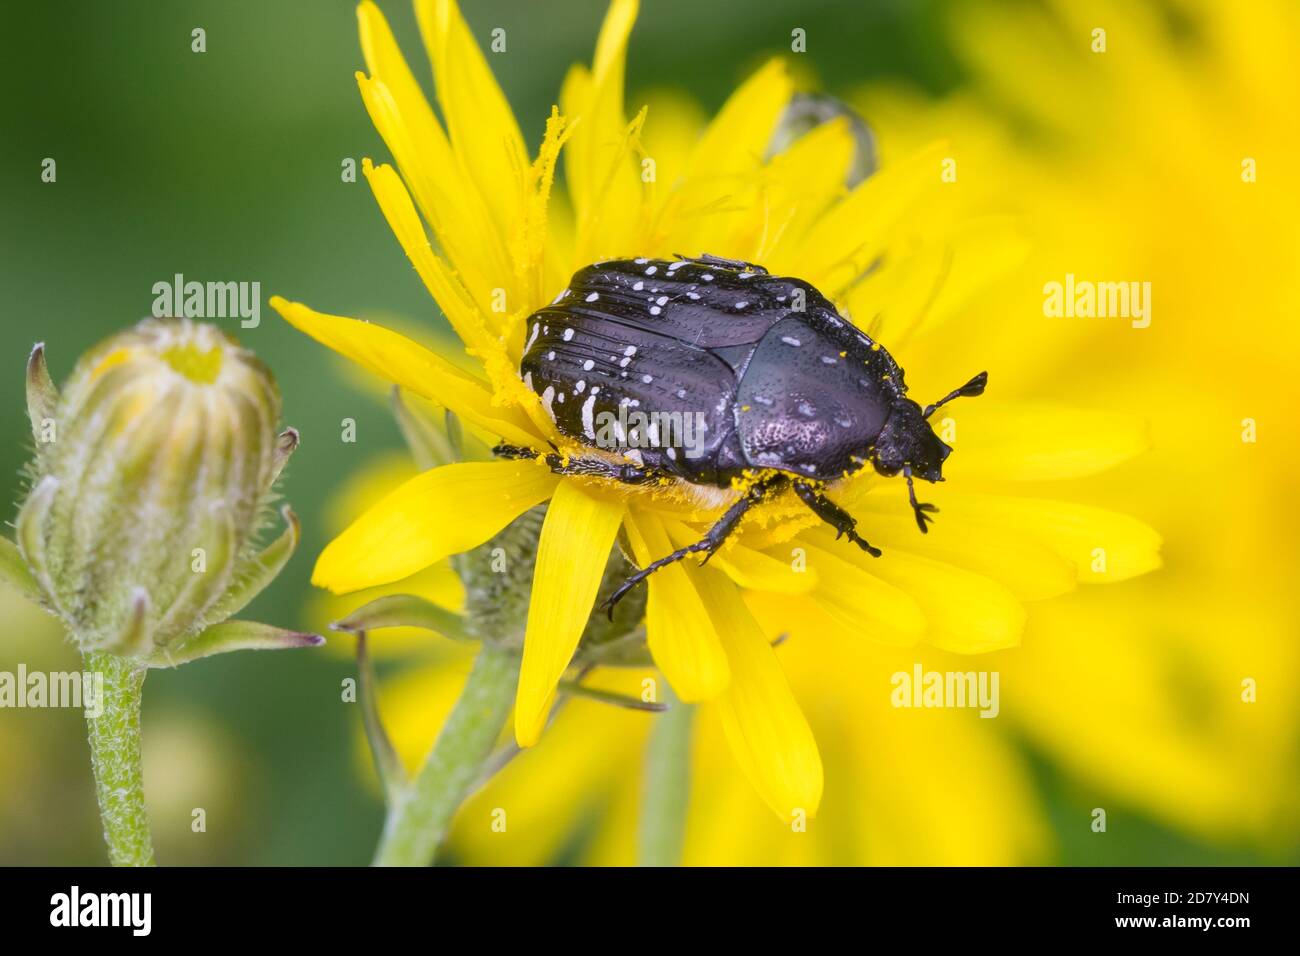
<point x="225" y="166"/>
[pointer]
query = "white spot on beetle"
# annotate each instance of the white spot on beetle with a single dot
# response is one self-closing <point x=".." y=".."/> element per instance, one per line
<point x="829" y="360"/>
<point x="807" y="410"/>
<point x="588" y="365"/>
<point x="548" y="396"/>
<point x="568" y="335"/>
<point x="630" y="350"/>
<point x="593" y="297"/>
<point x="672" y="453"/>
<point x="623" y="363"/>
<point x="647" y="379"/>
<point x="588" y="418"/>
<point x="741" y="305"/>
<point x="528" y="380"/>
<point x="580" y="386"/>
<point x="681" y="393"/>
<point x="692" y="295"/>
<point x="655" y="310"/>
<point x="763" y="400"/>
<point x="642" y="261"/>
<point x="675" y="266"/>
<point x="662" y="300"/>
<point x="537" y="328"/>
<point x="651" y="270"/>
<point x="707" y="277"/>
<point x="550" y="356"/>
<point x="790" y="340"/>
<point x="638" y="286"/>
<point x="844" y="422"/>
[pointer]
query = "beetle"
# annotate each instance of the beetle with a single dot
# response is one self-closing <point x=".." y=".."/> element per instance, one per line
<point x="784" y="390"/>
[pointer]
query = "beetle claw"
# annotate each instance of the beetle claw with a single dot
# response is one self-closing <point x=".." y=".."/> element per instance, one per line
<point x="923" y="511"/>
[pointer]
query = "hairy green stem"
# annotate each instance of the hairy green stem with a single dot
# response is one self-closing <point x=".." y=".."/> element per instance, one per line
<point x="115" y="756"/>
<point x="662" y="831"/>
<point x="419" y="816"/>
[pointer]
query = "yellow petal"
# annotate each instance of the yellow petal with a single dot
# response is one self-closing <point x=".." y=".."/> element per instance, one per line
<point x="602" y="178"/>
<point x="1105" y="546"/>
<point x="802" y="181"/>
<point x="679" y="631"/>
<point x="855" y="232"/>
<point x="446" y="290"/>
<point x="466" y="318"/>
<point x="749" y="568"/>
<point x="767" y="731"/>
<point x="489" y="147"/>
<point x="717" y="208"/>
<point x="412" y="366"/>
<point x="447" y="197"/>
<point x="1031" y="569"/>
<point x="964" y="612"/>
<point x="859" y="600"/>
<point x="736" y="140"/>
<point x="440" y="512"/>
<point x="571" y="555"/>
<point x="1037" y="441"/>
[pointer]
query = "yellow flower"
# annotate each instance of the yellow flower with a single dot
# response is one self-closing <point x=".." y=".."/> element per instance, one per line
<point x="497" y="238"/>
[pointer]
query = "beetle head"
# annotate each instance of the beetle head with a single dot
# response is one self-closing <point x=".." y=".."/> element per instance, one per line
<point x="908" y="443"/>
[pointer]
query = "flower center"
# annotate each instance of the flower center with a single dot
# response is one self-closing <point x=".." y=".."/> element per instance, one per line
<point x="201" y="366"/>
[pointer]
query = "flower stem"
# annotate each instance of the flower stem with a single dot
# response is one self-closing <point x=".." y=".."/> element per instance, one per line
<point x="418" y="819"/>
<point x="115" y="756"/>
<point x="667" y="786"/>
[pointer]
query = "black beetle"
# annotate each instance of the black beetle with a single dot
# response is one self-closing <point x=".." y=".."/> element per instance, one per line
<point x="780" y="388"/>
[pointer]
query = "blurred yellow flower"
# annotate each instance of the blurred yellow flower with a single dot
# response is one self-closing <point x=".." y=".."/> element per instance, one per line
<point x="1161" y="159"/>
<point x="962" y="589"/>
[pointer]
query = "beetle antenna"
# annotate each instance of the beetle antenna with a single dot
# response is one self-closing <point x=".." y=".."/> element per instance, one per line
<point x="972" y="388"/>
<point x="920" y="509"/>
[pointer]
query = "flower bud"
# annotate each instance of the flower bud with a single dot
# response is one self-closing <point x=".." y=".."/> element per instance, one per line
<point x="152" y="477"/>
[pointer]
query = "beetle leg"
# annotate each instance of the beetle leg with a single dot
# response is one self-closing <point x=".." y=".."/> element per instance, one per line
<point x="708" y="260"/>
<point x="833" y="515"/>
<point x="713" y="540"/>
<point x="920" y="509"/>
<point x="595" y="467"/>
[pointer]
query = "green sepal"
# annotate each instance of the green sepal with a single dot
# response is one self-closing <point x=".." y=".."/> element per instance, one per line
<point x="405" y="610"/>
<point x="27" y="530"/>
<point x="392" y="775"/>
<point x="136" y="635"/>
<point x="231" y="636"/>
<point x="42" y="395"/>
<point x="576" y="689"/>
<point x="15" y="573"/>
<point x="430" y="446"/>
<point x="286" y="443"/>
<point x="259" y="571"/>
